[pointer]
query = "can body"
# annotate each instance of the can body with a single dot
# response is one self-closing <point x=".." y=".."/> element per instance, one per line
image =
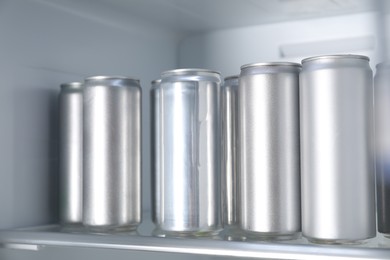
<point x="382" y="134"/>
<point x="112" y="153"/>
<point x="71" y="153"/>
<point x="338" y="188"/>
<point x="268" y="150"/>
<point x="155" y="141"/>
<point x="186" y="195"/>
<point x="229" y="159"/>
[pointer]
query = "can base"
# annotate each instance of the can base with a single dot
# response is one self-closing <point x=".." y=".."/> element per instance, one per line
<point x="383" y="240"/>
<point x="337" y="241"/>
<point x="130" y="229"/>
<point x="157" y="232"/>
<point x="232" y="233"/>
<point x="270" y="236"/>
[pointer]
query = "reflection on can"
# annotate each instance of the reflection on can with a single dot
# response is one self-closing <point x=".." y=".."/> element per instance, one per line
<point x="71" y="153"/>
<point x="268" y="151"/>
<point x="382" y="144"/>
<point x="155" y="142"/>
<point x="229" y="160"/>
<point x="186" y="192"/>
<point x="338" y="189"/>
<point x="112" y="153"/>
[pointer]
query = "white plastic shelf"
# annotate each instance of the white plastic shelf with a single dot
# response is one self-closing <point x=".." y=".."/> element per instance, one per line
<point x="38" y="238"/>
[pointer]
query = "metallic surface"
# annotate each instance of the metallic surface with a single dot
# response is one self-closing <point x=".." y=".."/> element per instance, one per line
<point x="338" y="189"/>
<point x="268" y="151"/>
<point x="335" y="58"/>
<point x="155" y="141"/>
<point x="112" y="153"/>
<point x="229" y="160"/>
<point x="186" y="193"/>
<point x="71" y="153"/>
<point x="382" y="133"/>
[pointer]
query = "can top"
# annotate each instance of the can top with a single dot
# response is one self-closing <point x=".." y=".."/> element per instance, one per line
<point x="72" y="85"/>
<point x="336" y="56"/>
<point x="231" y="77"/>
<point x="231" y="81"/>
<point x="116" y="80"/>
<point x="270" y="68"/>
<point x="197" y="73"/>
<point x="271" y="64"/>
<point x="155" y="82"/>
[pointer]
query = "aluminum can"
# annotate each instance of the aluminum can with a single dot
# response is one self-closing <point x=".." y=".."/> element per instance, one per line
<point x="268" y="151"/>
<point x="229" y="158"/>
<point x="187" y="190"/>
<point x="155" y="141"/>
<point x="338" y="178"/>
<point x="71" y="153"/>
<point x="382" y="134"/>
<point x="112" y="153"/>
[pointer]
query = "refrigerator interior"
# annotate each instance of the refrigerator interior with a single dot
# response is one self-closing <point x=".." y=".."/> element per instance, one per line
<point x="47" y="42"/>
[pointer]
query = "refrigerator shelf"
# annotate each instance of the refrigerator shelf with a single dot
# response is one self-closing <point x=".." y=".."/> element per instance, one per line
<point x="38" y="238"/>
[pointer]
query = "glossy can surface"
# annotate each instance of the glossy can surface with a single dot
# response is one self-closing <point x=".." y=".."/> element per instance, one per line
<point x="186" y="193"/>
<point x="338" y="189"/>
<point x="268" y="150"/>
<point x="155" y="141"/>
<point x="71" y="153"/>
<point x="112" y="153"/>
<point x="382" y="133"/>
<point x="229" y="160"/>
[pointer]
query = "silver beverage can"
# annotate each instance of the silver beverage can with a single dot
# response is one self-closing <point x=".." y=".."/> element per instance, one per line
<point x="187" y="189"/>
<point x="268" y="151"/>
<point x="229" y="159"/>
<point x="71" y="153"/>
<point x="382" y="145"/>
<point x="112" y="153"/>
<point x="338" y="178"/>
<point x="155" y="141"/>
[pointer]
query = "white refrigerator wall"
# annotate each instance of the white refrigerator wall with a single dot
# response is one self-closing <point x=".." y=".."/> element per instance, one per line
<point x="226" y="50"/>
<point x="42" y="46"/>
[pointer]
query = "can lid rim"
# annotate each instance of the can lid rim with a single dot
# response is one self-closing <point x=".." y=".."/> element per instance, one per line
<point x="155" y="81"/>
<point x="336" y="56"/>
<point x="188" y="70"/>
<point x="231" y="77"/>
<point x="74" y="84"/>
<point x="93" y="78"/>
<point x="271" y="64"/>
